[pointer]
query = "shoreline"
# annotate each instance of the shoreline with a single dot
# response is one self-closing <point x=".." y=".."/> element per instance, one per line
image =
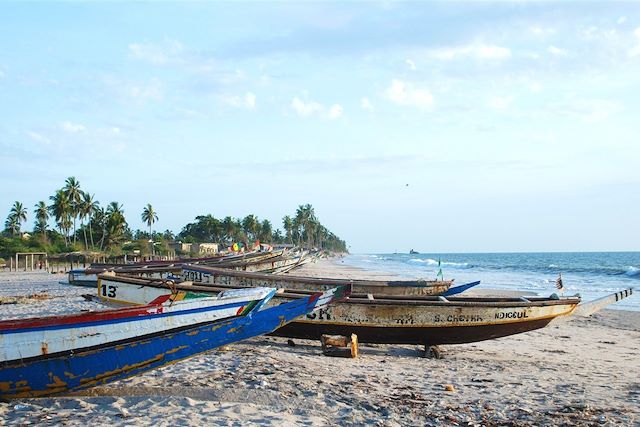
<point x="579" y="371"/>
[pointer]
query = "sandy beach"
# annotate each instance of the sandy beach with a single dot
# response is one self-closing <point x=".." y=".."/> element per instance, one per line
<point x="577" y="372"/>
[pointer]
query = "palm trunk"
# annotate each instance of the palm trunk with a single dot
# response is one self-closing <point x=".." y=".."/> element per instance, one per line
<point x="84" y="232"/>
<point x="91" y="233"/>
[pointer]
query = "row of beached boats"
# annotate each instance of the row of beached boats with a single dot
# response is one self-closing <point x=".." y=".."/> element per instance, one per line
<point x="277" y="261"/>
<point x="170" y="311"/>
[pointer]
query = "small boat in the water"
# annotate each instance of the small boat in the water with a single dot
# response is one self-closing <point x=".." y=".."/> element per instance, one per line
<point x="52" y="355"/>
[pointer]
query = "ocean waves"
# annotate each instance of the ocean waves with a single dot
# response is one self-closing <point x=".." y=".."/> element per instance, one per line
<point x="433" y="262"/>
<point x="535" y="263"/>
<point x="592" y="275"/>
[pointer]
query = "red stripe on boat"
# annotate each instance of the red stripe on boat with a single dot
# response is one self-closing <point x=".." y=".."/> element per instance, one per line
<point x="96" y="316"/>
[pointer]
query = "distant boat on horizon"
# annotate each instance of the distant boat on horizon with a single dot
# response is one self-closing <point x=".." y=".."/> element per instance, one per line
<point x="412" y="252"/>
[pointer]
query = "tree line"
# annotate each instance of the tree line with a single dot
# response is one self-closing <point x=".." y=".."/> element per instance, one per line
<point x="81" y="223"/>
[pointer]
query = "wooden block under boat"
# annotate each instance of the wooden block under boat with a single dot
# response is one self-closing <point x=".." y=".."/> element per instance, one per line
<point x="339" y="345"/>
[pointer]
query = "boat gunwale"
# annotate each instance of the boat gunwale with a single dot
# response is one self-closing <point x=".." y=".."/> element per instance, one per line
<point x="422" y="283"/>
<point x="355" y="298"/>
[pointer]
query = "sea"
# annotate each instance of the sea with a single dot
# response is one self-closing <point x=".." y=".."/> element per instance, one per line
<point x="590" y="274"/>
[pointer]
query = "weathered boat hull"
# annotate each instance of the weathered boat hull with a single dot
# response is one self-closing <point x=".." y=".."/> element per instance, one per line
<point x="392" y="319"/>
<point x="273" y="265"/>
<point x="241" y="279"/>
<point x="379" y="328"/>
<point x="22" y="339"/>
<point x="89" y="277"/>
<point x="81" y="368"/>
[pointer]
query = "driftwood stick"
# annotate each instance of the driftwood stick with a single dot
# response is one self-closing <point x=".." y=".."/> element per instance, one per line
<point x="339" y="346"/>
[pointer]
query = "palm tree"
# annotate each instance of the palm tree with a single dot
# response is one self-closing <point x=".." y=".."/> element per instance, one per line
<point x="88" y="207"/>
<point x="266" y="231"/>
<point x="18" y="213"/>
<point x="99" y="222"/>
<point x="61" y="211"/>
<point x="306" y="218"/>
<point x="287" y="224"/>
<point x="42" y="216"/>
<point x="149" y="216"/>
<point x="74" y="194"/>
<point x="116" y="224"/>
<point x="12" y="225"/>
<point x="251" y="226"/>
<point x="229" y="229"/>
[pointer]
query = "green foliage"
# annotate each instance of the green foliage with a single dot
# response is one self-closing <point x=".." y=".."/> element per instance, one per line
<point x="106" y="230"/>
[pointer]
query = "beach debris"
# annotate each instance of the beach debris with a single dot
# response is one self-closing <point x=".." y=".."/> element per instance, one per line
<point x="432" y="352"/>
<point x="291" y="343"/>
<point x="339" y="346"/>
<point x="21" y="407"/>
<point x="449" y="388"/>
<point x="28" y="299"/>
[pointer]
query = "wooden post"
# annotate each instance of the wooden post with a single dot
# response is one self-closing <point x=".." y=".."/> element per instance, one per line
<point x="339" y="346"/>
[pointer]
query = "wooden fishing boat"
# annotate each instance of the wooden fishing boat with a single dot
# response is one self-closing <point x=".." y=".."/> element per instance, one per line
<point x="89" y="277"/>
<point x="280" y="263"/>
<point x="388" y="319"/>
<point x="162" y="269"/>
<point x="53" y="334"/>
<point x="126" y="290"/>
<point x="214" y="276"/>
<point x="45" y="356"/>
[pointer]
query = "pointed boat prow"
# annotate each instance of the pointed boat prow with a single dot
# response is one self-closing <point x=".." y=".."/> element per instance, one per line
<point x="587" y="309"/>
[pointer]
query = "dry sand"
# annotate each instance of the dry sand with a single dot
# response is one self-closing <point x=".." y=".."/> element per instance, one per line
<point x="580" y="372"/>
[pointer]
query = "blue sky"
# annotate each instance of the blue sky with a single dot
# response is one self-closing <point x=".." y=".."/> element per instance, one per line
<point x="436" y="126"/>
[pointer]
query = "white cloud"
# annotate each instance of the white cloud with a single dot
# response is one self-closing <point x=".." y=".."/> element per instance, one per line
<point x="366" y="104"/>
<point x="622" y="20"/>
<point x="305" y="109"/>
<point x="151" y="91"/>
<point x="72" y="127"/>
<point x="38" y="137"/>
<point x="248" y="101"/>
<point x="156" y="53"/>
<point x="635" y="50"/>
<point x="335" y="112"/>
<point x="411" y="64"/>
<point x="403" y="93"/>
<point x="541" y="31"/>
<point x="535" y="87"/>
<point x="2" y="74"/>
<point x="312" y="108"/>
<point x="557" y="51"/>
<point x="478" y="51"/>
<point x="115" y="130"/>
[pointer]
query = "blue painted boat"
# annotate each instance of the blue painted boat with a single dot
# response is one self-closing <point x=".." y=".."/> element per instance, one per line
<point x="79" y="368"/>
<point x="455" y="290"/>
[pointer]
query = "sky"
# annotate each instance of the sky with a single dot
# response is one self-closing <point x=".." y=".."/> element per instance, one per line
<point x="437" y="126"/>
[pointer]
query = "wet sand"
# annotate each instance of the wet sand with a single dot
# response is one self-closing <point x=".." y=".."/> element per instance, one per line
<point x="577" y="372"/>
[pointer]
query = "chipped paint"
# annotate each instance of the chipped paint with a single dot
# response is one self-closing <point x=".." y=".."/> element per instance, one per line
<point x="85" y="368"/>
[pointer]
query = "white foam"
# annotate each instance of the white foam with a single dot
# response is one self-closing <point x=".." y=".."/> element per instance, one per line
<point x="632" y="271"/>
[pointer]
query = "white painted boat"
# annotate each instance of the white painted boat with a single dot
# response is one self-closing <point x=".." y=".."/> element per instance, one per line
<point x="47" y="335"/>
